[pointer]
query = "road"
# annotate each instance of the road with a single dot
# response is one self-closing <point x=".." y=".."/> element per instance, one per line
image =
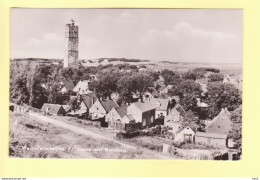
<point x="88" y="133"/>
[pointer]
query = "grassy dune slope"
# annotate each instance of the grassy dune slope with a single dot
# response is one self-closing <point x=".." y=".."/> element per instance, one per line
<point x="27" y="136"/>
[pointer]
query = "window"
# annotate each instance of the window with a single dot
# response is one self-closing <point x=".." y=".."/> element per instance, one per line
<point x="144" y="122"/>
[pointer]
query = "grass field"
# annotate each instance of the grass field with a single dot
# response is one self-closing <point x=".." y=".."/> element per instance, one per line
<point x="30" y="138"/>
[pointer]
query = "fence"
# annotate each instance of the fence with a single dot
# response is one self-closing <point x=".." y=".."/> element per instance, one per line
<point x="125" y="127"/>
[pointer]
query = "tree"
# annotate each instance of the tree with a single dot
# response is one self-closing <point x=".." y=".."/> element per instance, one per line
<point x="44" y="86"/>
<point x="200" y="72"/>
<point x="135" y="83"/>
<point x="188" y="91"/>
<point x="236" y="132"/>
<point x="189" y="75"/>
<point x="72" y="73"/>
<point x="155" y="75"/>
<point x="170" y="77"/>
<point x="142" y="82"/>
<point x="186" y="87"/>
<point x="18" y="89"/>
<point x="216" y="77"/>
<point x="222" y="95"/>
<point x="126" y="88"/>
<point x="106" y="84"/>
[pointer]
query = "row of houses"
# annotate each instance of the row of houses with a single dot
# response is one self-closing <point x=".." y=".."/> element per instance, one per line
<point x="157" y="108"/>
<point x="139" y="115"/>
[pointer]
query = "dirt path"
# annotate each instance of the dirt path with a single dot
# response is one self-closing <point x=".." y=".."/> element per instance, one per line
<point x="88" y="133"/>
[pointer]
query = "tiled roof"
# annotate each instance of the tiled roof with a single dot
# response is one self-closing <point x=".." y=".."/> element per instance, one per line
<point x="211" y="135"/>
<point x="69" y="85"/>
<point x="53" y="108"/>
<point x="89" y="99"/>
<point x="109" y="104"/>
<point x="192" y="125"/>
<point x="221" y="123"/>
<point x="122" y="111"/>
<point x="181" y="110"/>
<point x="160" y="104"/>
<point x="147" y="106"/>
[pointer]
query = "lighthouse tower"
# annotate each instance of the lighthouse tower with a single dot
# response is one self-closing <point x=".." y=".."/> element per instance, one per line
<point x="71" y="44"/>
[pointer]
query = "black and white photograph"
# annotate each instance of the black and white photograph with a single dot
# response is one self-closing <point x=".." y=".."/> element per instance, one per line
<point x="126" y="83"/>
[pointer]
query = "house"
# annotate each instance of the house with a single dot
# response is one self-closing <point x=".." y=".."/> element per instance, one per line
<point x="221" y="124"/>
<point x="162" y="106"/>
<point x="94" y="77"/>
<point x="185" y="134"/>
<point x="173" y="126"/>
<point x="166" y="89"/>
<point x="118" y="119"/>
<point x="201" y="104"/>
<point x="81" y="104"/>
<point x="66" y="108"/>
<point x="235" y="80"/>
<point x="127" y="123"/>
<point x="82" y="87"/>
<point x="211" y="139"/>
<point x="160" y="81"/>
<point x="203" y="82"/>
<point x="128" y="119"/>
<point x="182" y="132"/>
<point x="101" y="107"/>
<point x="142" y="112"/>
<point x="161" y="89"/>
<point x="53" y="109"/>
<point x="67" y="86"/>
<point x="115" y="115"/>
<point x="150" y="93"/>
<point x="176" y="114"/>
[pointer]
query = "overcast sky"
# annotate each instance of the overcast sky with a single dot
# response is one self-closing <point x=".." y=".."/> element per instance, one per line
<point x="192" y="35"/>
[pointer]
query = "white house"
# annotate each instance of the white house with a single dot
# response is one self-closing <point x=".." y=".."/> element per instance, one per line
<point x="185" y="134"/>
<point x="101" y="107"/>
<point x="176" y="114"/>
<point x="142" y="112"/>
<point x="162" y="106"/>
<point x="82" y="87"/>
<point x="116" y="114"/>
